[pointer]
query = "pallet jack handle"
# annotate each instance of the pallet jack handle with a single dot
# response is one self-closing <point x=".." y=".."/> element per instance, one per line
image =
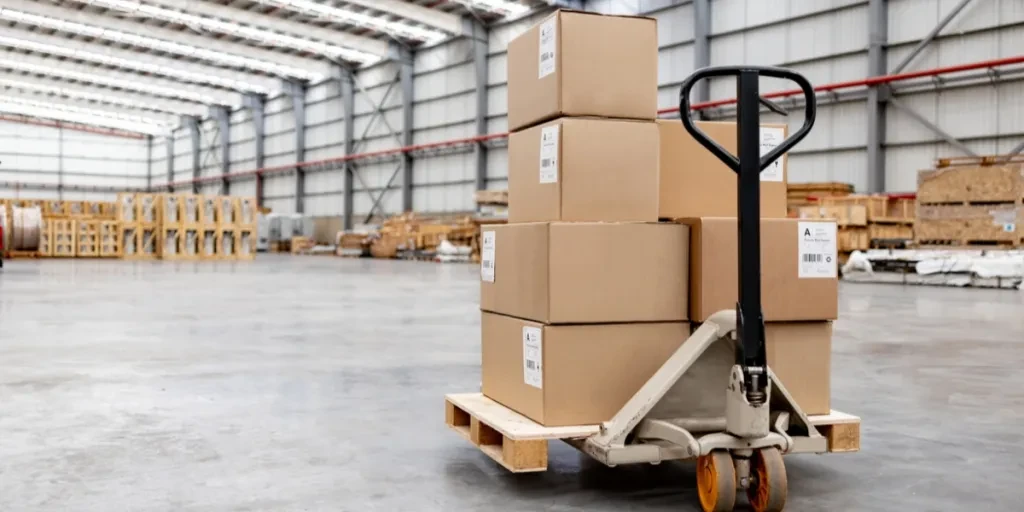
<point x="750" y="345"/>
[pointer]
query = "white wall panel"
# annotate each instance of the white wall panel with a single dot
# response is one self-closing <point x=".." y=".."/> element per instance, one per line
<point x="327" y="204"/>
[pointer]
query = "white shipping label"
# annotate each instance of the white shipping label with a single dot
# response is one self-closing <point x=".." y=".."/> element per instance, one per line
<point x="817" y="251"/>
<point x="549" y="154"/>
<point x="771" y="138"/>
<point x="547" y="48"/>
<point x="533" y="371"/>
<point x="487" y="240"/>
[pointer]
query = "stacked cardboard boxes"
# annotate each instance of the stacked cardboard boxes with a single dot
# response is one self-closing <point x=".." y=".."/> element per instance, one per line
<point x="622" y="231"/>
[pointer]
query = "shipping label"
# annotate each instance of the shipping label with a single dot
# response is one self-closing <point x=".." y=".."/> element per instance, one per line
<point x="487" y="239"/>
<point x="547" y="48"/>
<point x="533" y="371"/>
<point x="817" y="250"/>
<point x="549" y="154"/>
<point x="771" y="138"/>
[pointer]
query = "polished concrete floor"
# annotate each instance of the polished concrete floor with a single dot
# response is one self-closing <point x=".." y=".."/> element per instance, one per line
<point x="316" y="384"/>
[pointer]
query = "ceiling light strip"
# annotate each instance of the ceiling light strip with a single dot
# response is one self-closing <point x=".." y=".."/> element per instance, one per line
<point x="237" y="30"/>
<point x="97" y="97"/>
<point x="180" y="49"/>
<point x="329" y="13"/>
<point x="48" y="113"/>
<point x="134" y="65"/>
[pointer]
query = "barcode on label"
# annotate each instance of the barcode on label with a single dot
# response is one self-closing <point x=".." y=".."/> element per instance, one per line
<point x="547" y="56"/>
<point x="814" y="258"/>
<point x="531" y="364"/>
<point x="545" y="162"/>
<point x="488" y="264"/>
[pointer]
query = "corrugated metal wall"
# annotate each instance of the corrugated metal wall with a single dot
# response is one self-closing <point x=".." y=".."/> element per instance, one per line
<point x="826" y="40"/>
<point x="42" y="157"/>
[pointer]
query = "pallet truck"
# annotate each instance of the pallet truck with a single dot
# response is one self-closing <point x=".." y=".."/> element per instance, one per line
<point x="715" y="399"/>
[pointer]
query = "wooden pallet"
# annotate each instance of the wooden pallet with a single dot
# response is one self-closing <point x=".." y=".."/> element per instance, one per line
<point x="517" y="443"/>
<point x="840" y="429"/>
<point x="521" y="445"/>
<point x="981" y="182"/>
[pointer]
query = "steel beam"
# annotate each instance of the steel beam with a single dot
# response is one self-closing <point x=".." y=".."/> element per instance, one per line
<point x="223" y="117"/>
<point x="297" y="93"/>
<point x="149" y="162"/>
<point x="60" y="162"/>
<point x="405" y="73"/>
<point x="170" y="162"/>
<point x="431" y="17"/>
<point x="348" y="105"/>
<point x="480" y="57"/>
<point x="701" y="48"/>
<point x="256" y="104"/>
<point x="953" y="141"/>
<point x="1015" y="151"/>
<point x="878" y="36"/>
<point x="193" y="129"/>
<point x="931" y="36"/>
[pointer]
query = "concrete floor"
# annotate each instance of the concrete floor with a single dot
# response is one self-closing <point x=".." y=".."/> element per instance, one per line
<point x="316" y="383"/>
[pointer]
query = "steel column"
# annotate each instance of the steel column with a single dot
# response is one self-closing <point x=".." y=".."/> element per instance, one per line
<point x="480" y="50"/>
<point x="405" y="74"/>
<point x="348" y="105"/>
<point x="193" y="129"/>
<point x="255" y="103"/>
<point x="170" y="161"/>
<point x="878" y="37"/>
<point x="223" y="117"/>
<point x="702" y="49"/>
<point x="297" y="93"/>
<point x="931" y="36"/>
<point x="149" y="162"/>
<point x="60" y="162"/>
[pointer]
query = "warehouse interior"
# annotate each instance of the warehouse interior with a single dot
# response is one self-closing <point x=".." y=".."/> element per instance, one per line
<point x="254" y="280"/>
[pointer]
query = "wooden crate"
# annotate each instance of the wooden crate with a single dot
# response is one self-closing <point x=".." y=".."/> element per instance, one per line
<point x="63" y="237"/>
<point x="128" y="240"/>
<point x="844" y="215"/>
<point x="209" y="250"/>
<point x="148" y="242"/>
<point x="45" y="240"/>
<point x="227" y="244"/>
<point x="171" y="210"/>
<point x="110" y="239"/>
<point x="227" y="211"/>
<point x="191" y="209"/>
<point x="191" y="244"/>
<point x="492" y="197"/>
<point x="894" y="231"/>
<point x="875" y="205"/>
<point x="126" y="208"/>
<point x="248" y="213"/>
<point x="246" y="244"/>
<point x="302" y="245"/>
<point x="171" y="243"/>
<point x="971" y="183"/>
<point x="853" y="239"/>
<point x="208" y="211"/>
<point x="148" y="207"/>
<point x="970" y="224"/>
<point x="87" y="238"/>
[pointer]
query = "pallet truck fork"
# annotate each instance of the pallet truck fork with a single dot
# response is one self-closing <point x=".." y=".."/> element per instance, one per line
<point x="715" y="399"/>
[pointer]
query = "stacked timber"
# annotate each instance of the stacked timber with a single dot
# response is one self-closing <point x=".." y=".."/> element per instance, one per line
<point x="492" y="203"/>
<point x="410" y="236"/>
<point x="807" y="194"/>
<point x="866" y="221"/>
<point x="972" y="202"/>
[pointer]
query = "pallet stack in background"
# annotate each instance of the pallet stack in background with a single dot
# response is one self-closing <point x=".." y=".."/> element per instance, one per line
<point x="866" y="221"/>
<point x="622" y="235"/>
<point x="187" y="227"/>
<point x="71" y="229"/>
<point x="972" y="202"/>
<point x="799" y="195"/>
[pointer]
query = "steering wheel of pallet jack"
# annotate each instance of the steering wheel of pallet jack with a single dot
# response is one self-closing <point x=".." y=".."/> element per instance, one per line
<point x="716" y="482"/>
<point x="767" y="492"/>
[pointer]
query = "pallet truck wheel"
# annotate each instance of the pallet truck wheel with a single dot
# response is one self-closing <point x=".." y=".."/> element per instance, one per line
<point x="716" y="482"/>
<point x="770" y="486"/>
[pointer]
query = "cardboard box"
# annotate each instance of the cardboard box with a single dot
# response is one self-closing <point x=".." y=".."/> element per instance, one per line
<point x="571" y="374"/>
<point x="695" y="183"/>
<point x="800" y="354"/>
<point x="585" y="272"/>
<point x="590" y="169"/>
<point x="799" y="273"/>
<point x="563" y="66"/>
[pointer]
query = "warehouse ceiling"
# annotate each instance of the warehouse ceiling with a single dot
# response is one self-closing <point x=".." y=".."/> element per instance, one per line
<point x="138" y="65"/>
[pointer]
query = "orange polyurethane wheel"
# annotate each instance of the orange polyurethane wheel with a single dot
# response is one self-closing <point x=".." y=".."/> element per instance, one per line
<point x="716" y="482"/>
